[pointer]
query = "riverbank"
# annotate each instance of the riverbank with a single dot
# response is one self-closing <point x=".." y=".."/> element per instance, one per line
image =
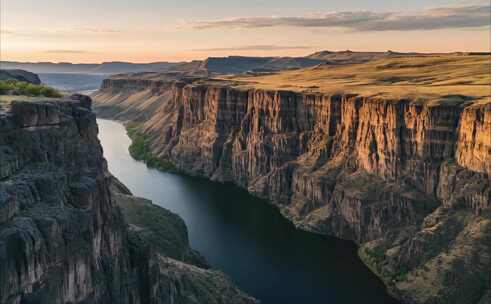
<point x="247" y="238"/>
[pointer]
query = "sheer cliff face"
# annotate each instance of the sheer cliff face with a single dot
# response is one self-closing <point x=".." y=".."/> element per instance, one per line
<point x="58" y="225"/>
<point x="62" y="237"/>
<point x="408" y="181"/>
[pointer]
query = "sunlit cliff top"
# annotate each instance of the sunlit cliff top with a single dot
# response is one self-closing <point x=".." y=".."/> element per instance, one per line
<point x="422" y="77"/>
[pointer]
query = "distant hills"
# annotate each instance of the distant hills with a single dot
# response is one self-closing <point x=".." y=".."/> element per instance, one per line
<point x="85" y="68"/>
<point x="348" y="57"/>
<point x="211" y="65"/>
<point x="241" y="64"/>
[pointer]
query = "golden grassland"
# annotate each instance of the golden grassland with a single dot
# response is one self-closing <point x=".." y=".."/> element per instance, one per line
<point x="436" y="78"/>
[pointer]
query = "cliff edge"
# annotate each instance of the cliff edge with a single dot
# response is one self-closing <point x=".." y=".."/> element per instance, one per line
<point x="63" y="236"/>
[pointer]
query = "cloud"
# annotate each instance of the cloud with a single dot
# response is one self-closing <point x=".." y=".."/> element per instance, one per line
<point x="255" y="48"/>
<point x="96" y="30"/>
<point x="428" y="19"/>
<point x="65" y="52"/>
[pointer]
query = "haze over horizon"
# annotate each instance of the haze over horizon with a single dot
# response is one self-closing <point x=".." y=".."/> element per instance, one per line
<point x="149" y="31"/>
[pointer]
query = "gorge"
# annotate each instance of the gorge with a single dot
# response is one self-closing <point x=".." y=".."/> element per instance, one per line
<point x="247" y="238"/>
<point x="288" y="182"/>
<point x="245" y="152"/>
<point x="396" y="158"/>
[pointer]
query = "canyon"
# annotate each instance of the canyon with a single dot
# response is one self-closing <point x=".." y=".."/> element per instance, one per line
<point x="70" y="232"/>
<point x="394" y="154"/>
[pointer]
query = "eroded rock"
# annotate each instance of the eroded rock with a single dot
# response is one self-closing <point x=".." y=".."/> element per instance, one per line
<point x="63" y="238"/>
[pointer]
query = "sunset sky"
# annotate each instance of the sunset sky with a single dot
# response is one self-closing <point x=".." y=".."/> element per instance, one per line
<point x="153" y="30"/>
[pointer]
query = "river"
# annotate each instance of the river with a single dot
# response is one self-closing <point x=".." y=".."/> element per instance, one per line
<point x="247" y="238"/>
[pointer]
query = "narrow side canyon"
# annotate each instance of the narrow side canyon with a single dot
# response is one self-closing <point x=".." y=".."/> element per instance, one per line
<point x="407" y="180"/>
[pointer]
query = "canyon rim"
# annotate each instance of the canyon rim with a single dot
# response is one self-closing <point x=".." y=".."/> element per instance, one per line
<point x="231" y="152"/>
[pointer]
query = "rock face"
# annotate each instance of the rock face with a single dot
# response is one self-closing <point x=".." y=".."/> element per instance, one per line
<point x="63" y="238"/>
<point x="408" y="181"/>
<point x="19" y="75"/>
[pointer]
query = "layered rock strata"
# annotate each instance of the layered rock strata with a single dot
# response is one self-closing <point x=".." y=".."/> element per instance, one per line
<point x="63" y="237"/>
<point x="407" y="180"/>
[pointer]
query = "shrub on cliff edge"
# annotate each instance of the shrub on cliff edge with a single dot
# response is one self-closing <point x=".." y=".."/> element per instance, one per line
<point x="14" y="87"/>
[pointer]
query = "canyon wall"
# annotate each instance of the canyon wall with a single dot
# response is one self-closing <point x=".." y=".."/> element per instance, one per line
<point x="408" y="181"/>
<point x="63" y="237"/>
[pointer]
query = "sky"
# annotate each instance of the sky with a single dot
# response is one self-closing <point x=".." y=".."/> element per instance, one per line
<point x="152" y="30"/>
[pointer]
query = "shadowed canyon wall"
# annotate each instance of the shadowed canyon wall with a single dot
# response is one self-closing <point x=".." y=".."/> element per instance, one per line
<point x="63" y="235"/>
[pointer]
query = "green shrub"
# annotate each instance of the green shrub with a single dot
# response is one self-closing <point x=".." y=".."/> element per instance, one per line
<point x="140" y="150"/>
<point x="50" y="92"/>
<point x="14" y="87"/>
<point x="386" y="268"/>
<point x="5" y="87"/>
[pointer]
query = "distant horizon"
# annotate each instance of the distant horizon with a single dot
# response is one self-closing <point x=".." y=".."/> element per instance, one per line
<point x="234" y="55"/>
<point x="92" y="31"/>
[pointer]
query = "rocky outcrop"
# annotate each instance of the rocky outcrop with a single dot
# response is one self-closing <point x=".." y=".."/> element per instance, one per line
<point x="63" y="238"/>
<point x="407" y="180"/>
<point x="474" y="142"/>
<point x="19" y="75"/>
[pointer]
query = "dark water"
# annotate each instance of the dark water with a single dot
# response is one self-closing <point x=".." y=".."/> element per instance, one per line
<point x="72" y="82"/>
<point x="247" y="238"/>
